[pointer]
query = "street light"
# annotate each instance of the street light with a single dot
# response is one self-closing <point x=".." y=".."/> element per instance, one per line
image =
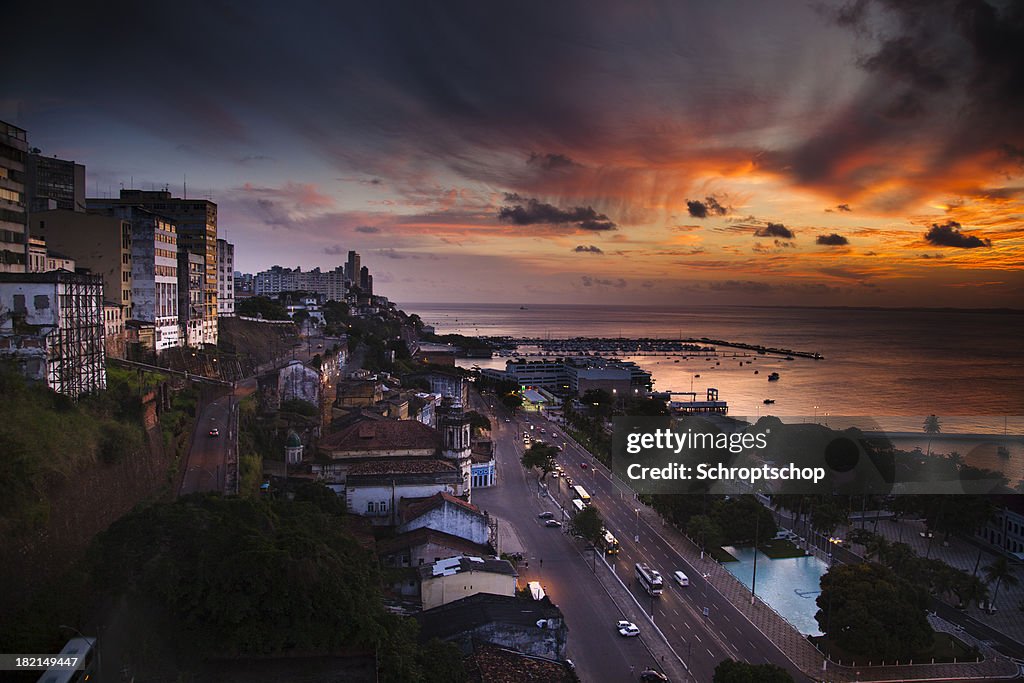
<point x="636" y="536"/>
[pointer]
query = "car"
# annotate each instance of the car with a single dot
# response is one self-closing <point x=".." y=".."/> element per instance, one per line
<point x="555" y="474"/>
<point x="214" y="432"/>
<point x="627" y="629"/>
<point x="568" y="480"/>
<point x="652" y="676"/>
<point x="584" y="465"/>
<point x="546" y="515"/>
<point x="552" y="523"/>
<point x="681" y="578"/>
<point x="554" y="435"/>
<point x="508" y="419"/>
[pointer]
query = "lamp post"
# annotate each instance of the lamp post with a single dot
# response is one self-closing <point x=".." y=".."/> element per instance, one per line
<point x="636" y="536"/>
<point x="753" y="579"/>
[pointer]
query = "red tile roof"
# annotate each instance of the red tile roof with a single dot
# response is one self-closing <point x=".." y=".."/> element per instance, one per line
<point x="383" y="435"/>
<point x="402" y="466"/>
<point x="411" y="508"/>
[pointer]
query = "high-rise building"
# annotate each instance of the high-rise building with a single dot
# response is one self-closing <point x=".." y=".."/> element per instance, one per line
<point x="190" y="297"/>
<point x="225" y="279"/>
<point x="364" y="279"/>
<point x="328" y="284"/>
<point x="352" y="268"/>
<point x="196" y="222"/>
<point x="13" y="217"/>
<point x="101" y="243"/>
<point x="53" y="183"/>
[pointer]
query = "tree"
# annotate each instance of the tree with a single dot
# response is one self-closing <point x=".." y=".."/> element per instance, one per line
<point x="827" y="515"/>
<point x="261" y="307"/>
<point x="478" y="422"/>
<point x="1000" y="572"/>
<point x="541" y="456"/>
<point x="599" y="402"/>
<point x="588" y="524"/>
<point x="731" y="671"/>
<point x="704" y="530"/>
<point x="932" y="426"/>
<point x="866" y="609"/>
<point x="512" y="401"/>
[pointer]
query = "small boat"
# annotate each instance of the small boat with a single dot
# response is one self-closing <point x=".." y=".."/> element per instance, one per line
<point x="675" y="361"/>
<point x="789" y="358"/>
<point x="774" y="377"/>
<point x="696" y="376"/>
<point x="769" y="401"/>
<point x="522" y="308"/>
<point x="756" y="372"/>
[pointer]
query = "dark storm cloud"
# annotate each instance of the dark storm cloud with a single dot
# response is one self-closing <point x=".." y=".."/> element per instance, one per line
<point x="949" y="235"/>
<point x="550" y="162"/>
<point x="369" y="229"/>
<point x="844" y="207"/>
<point x="534" y="212"/>
<point x="701" y="209"/>
<point x="833" y="240"/>
<point x="945" y="78"/>
<point x="775" y="230"/>
<point x="582" y="249"/>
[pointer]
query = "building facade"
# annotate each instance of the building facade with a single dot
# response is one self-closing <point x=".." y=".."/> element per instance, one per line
<point x="196" y="224"/>
<point x="191" y="280"/>
<point x="13" y="214"/>
<point x="155" y="276"/>
<point x="225" y="279"/>
<point x="51" y="325"/>
<point x="54" y="183"/>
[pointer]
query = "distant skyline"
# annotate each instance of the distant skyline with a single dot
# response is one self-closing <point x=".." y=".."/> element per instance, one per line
<point x="864" y="153"/>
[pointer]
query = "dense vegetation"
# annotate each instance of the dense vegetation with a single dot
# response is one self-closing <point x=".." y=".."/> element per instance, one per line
<point x="261" y="307"/>
<point x="731" y="671"/>
<point x="260" y="577"/>
<point x="48" y="437"/>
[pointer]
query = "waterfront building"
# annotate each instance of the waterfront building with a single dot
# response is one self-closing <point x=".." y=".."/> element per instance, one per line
<point x="196" y="226"/>
<point x="13" y="214"/>
<point x="53" y="183"/>
<point x="101" y="243"/>
<point x="54" y="331"/>
<point x="577" y="375"/>
<point x="225" y="279"/>
<point x="1004" y="531"/>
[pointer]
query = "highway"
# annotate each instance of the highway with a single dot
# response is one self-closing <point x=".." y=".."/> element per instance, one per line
<point x="700" y="640"/>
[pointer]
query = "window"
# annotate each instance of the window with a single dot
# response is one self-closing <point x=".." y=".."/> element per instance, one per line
<point x="382" y="506"/>
<point x="371" y="507"/>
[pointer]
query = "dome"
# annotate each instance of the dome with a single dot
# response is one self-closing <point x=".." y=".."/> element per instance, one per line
<point x="293" y="440"/>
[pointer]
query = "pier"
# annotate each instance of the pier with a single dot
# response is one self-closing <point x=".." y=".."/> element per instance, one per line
<point x="644" y="346"/>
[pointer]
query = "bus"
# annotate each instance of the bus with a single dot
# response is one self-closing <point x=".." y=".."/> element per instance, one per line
<point x="83" y="652"/>
<point x="578" y="505"/>
<point x="649" y="578"/>
<point x="610" y="543"/>
<point x="582" y="494"/>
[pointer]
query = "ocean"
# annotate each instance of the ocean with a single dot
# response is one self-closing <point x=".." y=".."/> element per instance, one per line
<point x="888" y="368"/>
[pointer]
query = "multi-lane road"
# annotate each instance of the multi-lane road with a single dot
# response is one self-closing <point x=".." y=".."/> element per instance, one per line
<point x="698" y="639"/>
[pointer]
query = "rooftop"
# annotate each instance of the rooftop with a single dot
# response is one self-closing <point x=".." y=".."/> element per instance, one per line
<point x="493" y="664"/>
<point x="411" y="508"/>
<point x="383" y="435"/>
<point x="425" y="535"/>
<point x="483" y="608"/>
<point x="402" y="466"/>
<point x="466" y="563"/>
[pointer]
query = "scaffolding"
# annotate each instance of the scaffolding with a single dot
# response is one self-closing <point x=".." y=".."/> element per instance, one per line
<point x="77" y="349"/>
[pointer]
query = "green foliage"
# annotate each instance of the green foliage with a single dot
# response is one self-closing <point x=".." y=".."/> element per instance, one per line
<point x="513" y="401"/>
<point x="1000" y="572"/>
<point x="731" y="671"/>
<point x="587" y="524"/>
<point x="743" y="518"/>
<point x="261" y="307"/>
<point x="704" y="531"/>
<point x="478" y="422"/>
<point x="299" y="407"/>
<point x="119" y="441"/>
<point x="250" y="474"/>
<point x="247" y="576"/>
<point x="646" y="407"/>
<point x="866" y="609"/>
<point x="322" y="498"/>
<point x="541" y="456"/>
<point x="441" y="662"/>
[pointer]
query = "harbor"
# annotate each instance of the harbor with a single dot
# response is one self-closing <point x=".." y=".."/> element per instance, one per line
<point x="644" y="346"/>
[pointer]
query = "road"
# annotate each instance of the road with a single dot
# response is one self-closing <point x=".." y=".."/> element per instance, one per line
<point x="701" y="641"/>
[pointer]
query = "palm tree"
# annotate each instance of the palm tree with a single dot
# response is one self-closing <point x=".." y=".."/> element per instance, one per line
<point x="999" y="571"/>
<point x="877" y="546"/>
<point x="932" y="426"/>
<point x="970" y="589"/>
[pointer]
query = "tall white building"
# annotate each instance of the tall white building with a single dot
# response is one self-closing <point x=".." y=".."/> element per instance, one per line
<point x="155" y="275"/>
<point x="225" y="279"/>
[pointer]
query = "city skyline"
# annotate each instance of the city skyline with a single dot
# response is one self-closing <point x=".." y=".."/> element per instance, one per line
<point x="837" y="154"/>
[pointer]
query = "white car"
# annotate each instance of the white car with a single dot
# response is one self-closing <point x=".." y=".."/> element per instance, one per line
<point x="627" y="629"/>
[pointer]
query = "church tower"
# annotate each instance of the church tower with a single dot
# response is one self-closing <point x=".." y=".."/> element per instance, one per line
<point x="455" y="434"/>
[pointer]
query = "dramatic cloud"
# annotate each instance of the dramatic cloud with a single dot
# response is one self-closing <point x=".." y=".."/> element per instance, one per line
<point x="833" y="240"/>
<point x="581" y="249"/>
<point x="775" y="230"/>
<point x="949" y="235"/>
<point x="550" y="162"/>
<point x="701" y="209"/>
<point x="535" y="212"/>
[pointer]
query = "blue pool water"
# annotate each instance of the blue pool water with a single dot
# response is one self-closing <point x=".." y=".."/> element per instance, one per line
<point x="790" y="586"/>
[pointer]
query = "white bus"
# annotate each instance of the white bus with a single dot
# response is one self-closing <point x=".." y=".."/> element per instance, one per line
<point x="609" y="543"/>
<point x="578" y="505"/>
<point x="649" y="578"/>
<point x="582" y="494"/>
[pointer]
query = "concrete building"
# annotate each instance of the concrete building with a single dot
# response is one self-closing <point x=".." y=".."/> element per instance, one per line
<point x="113" y="329"/>
<point x="225" y="279"/>
<point x="483" y="469"/>
<point x="374" y="489"/>
<point x="423" y="546"/>
<point x="329" y="284"/>
<point x="1005" y="530"/>
<point x="364" y="280"/>
<point x="54" y="183"/>
<point x="454" y="578"/>
<point x="101" y="243"/>
<point x="154" y="278"/>
<point x="196" y="223"/>
<point x="576" y="375"/>
<point x="352" y="268"/>
<point x="456" y="445"/>
<point x="13" y="214"/>
<point x="533" y="627"/>
<point x="191" y="280"/>
<point x="447" y="513"/>
<point x="374" y="440"/>
<point x="298" y="381"/>
<point x="51" y="325"/>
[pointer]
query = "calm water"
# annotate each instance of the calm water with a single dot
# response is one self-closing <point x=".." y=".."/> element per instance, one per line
<point x="790" y="586"/>
<point x="961" y="366"/>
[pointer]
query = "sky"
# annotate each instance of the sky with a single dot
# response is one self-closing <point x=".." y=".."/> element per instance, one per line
<point x="734" y="152"/>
